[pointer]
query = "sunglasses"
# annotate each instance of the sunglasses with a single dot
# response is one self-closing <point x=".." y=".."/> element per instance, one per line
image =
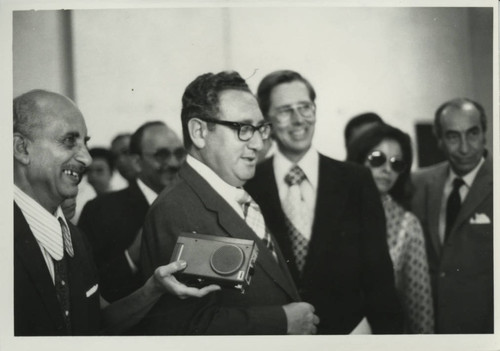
<point x="378" y="158"/>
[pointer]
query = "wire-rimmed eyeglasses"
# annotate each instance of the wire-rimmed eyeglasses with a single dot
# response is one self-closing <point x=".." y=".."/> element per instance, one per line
<point x="305" y="109"/>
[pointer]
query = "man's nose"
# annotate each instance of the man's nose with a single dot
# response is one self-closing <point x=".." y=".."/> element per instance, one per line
<point x="296" y="117"/>
<point x="464" y="145"/>
<point x="174" y="162"/>
<point x="256" y="143"/>
<point x="83" y="156"/>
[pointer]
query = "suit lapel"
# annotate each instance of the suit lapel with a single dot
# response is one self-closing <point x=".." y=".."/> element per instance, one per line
<point x="235" y="226"/>
<point x="28" y="250"/>
<point x="435" y="197"/>
<point x="327" y="211"/>
<point x="480" y="189"/>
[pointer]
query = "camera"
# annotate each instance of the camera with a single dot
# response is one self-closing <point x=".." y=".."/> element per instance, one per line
<point x="228" y="262"/>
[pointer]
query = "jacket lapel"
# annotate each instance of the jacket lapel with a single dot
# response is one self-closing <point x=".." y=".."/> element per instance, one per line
<point x="236" y="227"/>
<point x="480" y="189"/>
<point x="435" y="197"/>
<point x="28" y="250"/>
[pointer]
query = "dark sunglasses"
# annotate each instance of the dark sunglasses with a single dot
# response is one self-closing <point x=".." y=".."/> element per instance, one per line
<point x="162" y="155"/>
<point x="378" y="158"/>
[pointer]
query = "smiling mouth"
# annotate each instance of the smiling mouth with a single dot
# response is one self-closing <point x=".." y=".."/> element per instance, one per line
<point x="74" y="174"/>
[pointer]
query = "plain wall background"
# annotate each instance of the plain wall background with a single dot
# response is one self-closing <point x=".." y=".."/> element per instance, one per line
<point x="126" y="66"/>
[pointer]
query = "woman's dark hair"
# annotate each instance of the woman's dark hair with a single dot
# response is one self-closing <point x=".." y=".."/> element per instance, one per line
<point x="359" y="148"/>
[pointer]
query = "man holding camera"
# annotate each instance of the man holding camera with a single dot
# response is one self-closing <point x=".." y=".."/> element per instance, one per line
<point x="223" y="130"/>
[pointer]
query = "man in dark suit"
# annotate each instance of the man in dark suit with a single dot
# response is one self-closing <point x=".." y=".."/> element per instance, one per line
<point x="56" y="289"/>
<point x="223" y="131"/>
<point x="454" y="202"/>
<point x="113" y="221"/>
<point x="326" y="216"/>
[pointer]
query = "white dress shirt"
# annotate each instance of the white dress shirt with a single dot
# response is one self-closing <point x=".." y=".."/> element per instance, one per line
<point x="448" y="187"/>
<point x="309" y="164"/>
<point x="227" y="191"/>
<point x="45" y="227"/>
<point x="150" y="196"/>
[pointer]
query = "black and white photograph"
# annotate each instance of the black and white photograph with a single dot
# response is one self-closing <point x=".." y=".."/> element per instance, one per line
<point x="249" y="174"/>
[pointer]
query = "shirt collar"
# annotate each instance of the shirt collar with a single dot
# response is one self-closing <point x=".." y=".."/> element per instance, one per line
<point x="148" y="193"/>
<point x="309" y="164"/>
<point x="227" y="191"/>
<point x="469" y="177"/>
<point x="45" y="226"/>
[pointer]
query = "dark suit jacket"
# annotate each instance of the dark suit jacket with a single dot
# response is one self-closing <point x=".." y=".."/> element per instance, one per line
<point x="461" y="269"/>
<point x="111" y="223"/>
<point x="194" y="206"/>
<point x="348" y="272"/>
<point x="36" y="309"/>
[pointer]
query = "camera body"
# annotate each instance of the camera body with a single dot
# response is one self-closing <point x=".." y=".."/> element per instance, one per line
<point x="228" y="262"/>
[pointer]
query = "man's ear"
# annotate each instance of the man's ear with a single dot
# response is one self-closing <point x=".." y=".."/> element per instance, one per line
<point x="21" y="152"/>
<point x="198" y="132"/>
<point x="135" y="159"/>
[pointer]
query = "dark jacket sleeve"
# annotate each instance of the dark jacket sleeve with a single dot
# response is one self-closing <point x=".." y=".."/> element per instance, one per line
<point x="224" y="312"/>
<point x="116" y="277"/>
<point x="383" y="308"/>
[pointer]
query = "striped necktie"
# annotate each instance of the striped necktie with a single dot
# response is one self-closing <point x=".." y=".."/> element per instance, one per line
<point x="255" y="220"/>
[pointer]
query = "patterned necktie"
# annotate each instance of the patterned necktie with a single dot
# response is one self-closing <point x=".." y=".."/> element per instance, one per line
<point x="453" y="206"/>
<point x="255" y="220"/>
<point x="68" y="245"/>
<point x="61" y="278"/>
<point x="297" y="219"/>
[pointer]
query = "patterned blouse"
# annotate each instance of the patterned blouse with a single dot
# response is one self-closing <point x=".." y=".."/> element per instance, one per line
<point x="411" y="271"/>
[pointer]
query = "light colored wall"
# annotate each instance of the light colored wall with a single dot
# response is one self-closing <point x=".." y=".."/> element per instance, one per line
<point x="40" y="52"/>
<point x="133" y="65"/>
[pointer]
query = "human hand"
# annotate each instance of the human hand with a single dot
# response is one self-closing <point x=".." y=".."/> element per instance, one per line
<point x="165" y="281"/>
<point x="300" y="318"/>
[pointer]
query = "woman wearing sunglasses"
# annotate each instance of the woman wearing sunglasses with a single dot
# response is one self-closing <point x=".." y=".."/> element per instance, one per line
<point x="386" y="151"/>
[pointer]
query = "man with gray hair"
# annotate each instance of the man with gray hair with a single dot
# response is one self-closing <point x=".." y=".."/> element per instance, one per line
<point x="56" y="290"/>
<point x="454" y="202"/>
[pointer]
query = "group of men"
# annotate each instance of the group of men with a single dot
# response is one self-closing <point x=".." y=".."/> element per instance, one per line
<point x="323" y="263"/>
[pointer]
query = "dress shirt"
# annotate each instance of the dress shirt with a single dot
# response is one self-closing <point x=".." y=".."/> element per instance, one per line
<point x="148" y="193"/>
<point x="150" y="196"/>
<point x="226" y="191"/>
<point x="448" y="187"/>
<point x="309" y="164"/>
<point x="45" y="226"/>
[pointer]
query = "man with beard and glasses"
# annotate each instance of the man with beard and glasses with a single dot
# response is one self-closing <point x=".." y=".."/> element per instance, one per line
<point x="114" y="222"/>
<point x="56" y="290"/>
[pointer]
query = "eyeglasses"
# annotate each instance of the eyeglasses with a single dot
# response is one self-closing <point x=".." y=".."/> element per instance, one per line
<point x="306" y="109"/>
<point x="164" y="154"/>
<point x="245" y="130"/>
<point x="378" y="158"/>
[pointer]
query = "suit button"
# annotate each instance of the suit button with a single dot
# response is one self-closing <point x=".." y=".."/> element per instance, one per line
<point x="442" y="274"/>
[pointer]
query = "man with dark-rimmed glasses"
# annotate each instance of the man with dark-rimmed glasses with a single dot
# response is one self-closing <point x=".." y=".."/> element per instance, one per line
<point x="326" y="216"/>
<point x="223" y="130"/>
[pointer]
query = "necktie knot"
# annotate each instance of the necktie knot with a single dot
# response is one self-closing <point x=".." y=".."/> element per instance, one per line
<point x="295" y="176"/>
<point x="457" y="183"/>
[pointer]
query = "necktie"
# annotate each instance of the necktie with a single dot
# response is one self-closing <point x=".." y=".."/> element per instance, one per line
<point x="61" y="278"/>
<point x="255" y="220"/>
<point x="297" y="219"/>
<point x="68" y="245"/>
<point x="453" y="206"/>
